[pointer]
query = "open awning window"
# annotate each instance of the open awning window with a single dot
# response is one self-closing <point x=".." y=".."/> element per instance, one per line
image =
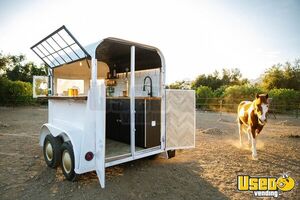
<point x="60" y="47"/>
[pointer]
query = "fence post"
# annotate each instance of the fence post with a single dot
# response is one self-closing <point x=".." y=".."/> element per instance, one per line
<point x="221" y="107"/>
<point x="297" y="111"/>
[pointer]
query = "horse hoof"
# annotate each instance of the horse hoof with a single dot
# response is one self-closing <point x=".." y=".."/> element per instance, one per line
<point x="254" y="157"/>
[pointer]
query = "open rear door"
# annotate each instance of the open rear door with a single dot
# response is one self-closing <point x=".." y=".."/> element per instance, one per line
<point x="180" y="119"/>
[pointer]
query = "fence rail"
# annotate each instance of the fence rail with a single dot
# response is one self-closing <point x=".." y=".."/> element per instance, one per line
<point x="205" y="104"/>
<point x="229" y="105"/>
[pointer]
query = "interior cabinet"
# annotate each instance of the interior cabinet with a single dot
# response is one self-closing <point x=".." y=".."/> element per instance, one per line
<point x="118" y="120"/>
<point x="152" y="123"/>
<point x="147" y="121"/>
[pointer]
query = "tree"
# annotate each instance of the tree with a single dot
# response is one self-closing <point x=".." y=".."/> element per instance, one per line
<point x="15" y="68"/>
<point x="282" y="76"/>
<point x="203" y="96"/>
<point x="4" y="61"/>
<point x="180" y="85"/>
<point x="216" y="80"/>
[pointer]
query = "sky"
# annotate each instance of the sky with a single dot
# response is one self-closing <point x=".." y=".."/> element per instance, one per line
<point x="195" y="36"/>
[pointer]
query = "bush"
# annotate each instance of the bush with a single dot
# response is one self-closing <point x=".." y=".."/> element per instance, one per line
<point x="203" y="96"/>
<point x="219" y="93"/>
<point x="241" y="92"/>
<point x="233" y="95"/>
<point x="284" y="99"/>
<point x="15" y="92"/>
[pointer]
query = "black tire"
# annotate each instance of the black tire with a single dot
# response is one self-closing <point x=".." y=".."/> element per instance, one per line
<point x="171" y="153"/>
<point x="51" y="151"/>
<point x="67" y="163"/>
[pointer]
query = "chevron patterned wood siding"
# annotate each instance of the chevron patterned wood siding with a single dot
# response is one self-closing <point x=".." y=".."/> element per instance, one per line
<point x="180" y="119"/>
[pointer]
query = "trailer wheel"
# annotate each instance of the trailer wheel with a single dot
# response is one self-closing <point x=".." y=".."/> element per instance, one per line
<point x="67" y="161"/>
<point x="51" y="151"/>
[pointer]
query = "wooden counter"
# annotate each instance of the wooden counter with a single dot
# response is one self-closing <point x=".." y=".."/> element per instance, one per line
<point x="85" y="98"/>
<point x="146" y="98"/>
<point x="65" y="98"/>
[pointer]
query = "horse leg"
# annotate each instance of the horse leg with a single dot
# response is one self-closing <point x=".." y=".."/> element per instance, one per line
<point x="249" y="137"/>
<point x="254" y="153"/>
<point x="240" y="132"/>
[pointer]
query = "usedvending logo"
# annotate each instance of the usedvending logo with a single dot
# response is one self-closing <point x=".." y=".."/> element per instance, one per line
<point x="265" y="186"/>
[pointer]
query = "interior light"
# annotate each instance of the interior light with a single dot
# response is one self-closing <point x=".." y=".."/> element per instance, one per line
<point x="80" y="63"/>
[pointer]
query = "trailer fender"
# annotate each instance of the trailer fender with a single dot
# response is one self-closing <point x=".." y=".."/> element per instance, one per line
<point x="75" y="138"/>
<point x="47" y="129"/>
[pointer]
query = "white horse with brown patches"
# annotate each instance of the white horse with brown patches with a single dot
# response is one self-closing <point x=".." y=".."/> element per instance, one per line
<point x="252" y="116"/>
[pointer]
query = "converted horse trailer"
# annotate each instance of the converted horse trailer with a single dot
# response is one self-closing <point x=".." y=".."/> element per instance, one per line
<point x="108" y="104"/>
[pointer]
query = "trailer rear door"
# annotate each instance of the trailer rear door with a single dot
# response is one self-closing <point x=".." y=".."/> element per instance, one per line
<point x="180" y="119"/>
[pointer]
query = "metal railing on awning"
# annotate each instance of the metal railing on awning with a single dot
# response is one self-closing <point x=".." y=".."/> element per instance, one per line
<point x="60" y="47"/>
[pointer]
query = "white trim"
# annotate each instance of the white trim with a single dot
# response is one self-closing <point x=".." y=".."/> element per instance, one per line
<point x="132" y="100"/>
<point x="117" y="157"/>
<point x="182" y="147"/>
<point x="148" y="150"/>
<point x="163" y="134"/>
<point x="179" y="90"/>
<point x="195" y="114"/>
<point x="137" y="156"/>
<point x="145" y="120"/>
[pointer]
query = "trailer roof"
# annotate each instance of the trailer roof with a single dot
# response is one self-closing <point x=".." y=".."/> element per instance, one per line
<point x="116" y="53"/>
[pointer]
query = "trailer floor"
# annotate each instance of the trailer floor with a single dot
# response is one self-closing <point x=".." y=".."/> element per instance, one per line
<point x="115" y="149"/>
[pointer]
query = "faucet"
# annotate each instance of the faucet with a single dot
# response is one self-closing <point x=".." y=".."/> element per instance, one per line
<point x="144" y="87"/>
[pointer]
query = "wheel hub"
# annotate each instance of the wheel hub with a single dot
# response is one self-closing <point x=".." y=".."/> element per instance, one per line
<point x="49" y="151"/>
<point x="66" y="161"/>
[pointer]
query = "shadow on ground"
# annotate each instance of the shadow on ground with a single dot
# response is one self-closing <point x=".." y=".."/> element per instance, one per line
<point x="141" y="179"/>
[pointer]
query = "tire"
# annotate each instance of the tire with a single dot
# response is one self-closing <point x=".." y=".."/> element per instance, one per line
<point x="171" y="153"/>
<point x="51" y="151"/>
<point x="67" y="161"/>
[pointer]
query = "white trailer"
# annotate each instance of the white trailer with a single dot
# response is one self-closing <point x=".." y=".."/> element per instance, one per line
<point x="108" y="104"/>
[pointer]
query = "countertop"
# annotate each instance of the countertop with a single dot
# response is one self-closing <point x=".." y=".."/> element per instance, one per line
<point x="146" y="98"/>
<point x="85" y="98"/>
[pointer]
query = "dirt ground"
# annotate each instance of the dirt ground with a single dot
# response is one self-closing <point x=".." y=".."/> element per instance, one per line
<point x="208" y="171"/>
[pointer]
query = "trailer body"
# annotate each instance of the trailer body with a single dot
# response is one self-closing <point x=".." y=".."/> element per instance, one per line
<point x="123" y="111"/>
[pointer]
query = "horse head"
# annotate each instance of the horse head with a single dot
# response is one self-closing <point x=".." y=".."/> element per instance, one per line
<point x="261" y="107"/>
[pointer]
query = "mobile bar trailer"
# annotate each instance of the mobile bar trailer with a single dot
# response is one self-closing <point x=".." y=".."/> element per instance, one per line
<point x="108" y="104"/>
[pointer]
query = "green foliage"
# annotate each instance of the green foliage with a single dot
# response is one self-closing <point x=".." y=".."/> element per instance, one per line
<point x="4" y="61"/>
<point x="241" y="92"/>
<point x="16" y="78"/>
<point x="233" y="95"/>
<point x="204" y="92"/>
<point x="282" y="76"/>
<point x="284" y="99"/>
<point x="15" y="92"/>
<point x="219" y="93"/>
<point x="184" y="85"/>
<point x="204" y="95"/>
<point x="216" y="79"/>
<point x="15" y="68"/>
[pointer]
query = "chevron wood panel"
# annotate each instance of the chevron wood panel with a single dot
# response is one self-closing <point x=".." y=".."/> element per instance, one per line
<point x="180" y="118"/>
